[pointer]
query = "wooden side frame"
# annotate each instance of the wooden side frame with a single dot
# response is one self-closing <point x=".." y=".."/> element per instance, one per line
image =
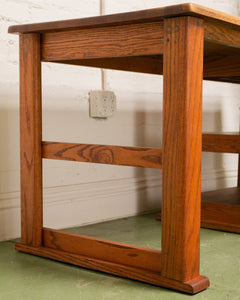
<point x="30" y="140"/>
<point x="177" y="266"/>
<point x="182" y="146"/>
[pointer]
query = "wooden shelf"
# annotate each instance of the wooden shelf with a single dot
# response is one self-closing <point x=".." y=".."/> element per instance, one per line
<point x="220" y="210"/>
<point x="227" y="196"/>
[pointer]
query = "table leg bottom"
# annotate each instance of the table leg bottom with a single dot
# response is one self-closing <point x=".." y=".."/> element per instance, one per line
<point x="191" y="287"/>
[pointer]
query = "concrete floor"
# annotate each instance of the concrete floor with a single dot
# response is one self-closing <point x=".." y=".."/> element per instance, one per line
<point x="24" y="276"/>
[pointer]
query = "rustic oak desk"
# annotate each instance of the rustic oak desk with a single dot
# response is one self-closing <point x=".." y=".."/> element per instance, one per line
<point x="173" y="41"/>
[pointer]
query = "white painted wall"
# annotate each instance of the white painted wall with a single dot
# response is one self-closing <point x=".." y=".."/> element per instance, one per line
<point x="75" y="193"/>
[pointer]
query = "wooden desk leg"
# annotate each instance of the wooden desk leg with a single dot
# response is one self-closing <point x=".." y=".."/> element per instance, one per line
<point x="182" y="146"/>
<point x="31" y="131"/>
<point x="238" y="179"/>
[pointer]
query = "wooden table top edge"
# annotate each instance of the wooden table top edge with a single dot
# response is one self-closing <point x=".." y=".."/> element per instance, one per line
<point x="147" y="15"/>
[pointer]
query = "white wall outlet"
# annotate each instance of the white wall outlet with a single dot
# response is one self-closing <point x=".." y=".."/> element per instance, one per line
<point x="102" y="104"/>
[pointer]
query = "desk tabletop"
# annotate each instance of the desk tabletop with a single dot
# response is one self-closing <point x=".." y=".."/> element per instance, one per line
<point x="148" y="15"/>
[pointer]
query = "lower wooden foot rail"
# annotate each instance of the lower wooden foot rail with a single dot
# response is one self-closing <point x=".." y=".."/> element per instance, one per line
<point x="129" y="255"/>
<point x="134" y="262"/>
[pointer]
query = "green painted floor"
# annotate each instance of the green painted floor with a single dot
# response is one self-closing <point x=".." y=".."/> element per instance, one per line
<point x="24" y="276"/>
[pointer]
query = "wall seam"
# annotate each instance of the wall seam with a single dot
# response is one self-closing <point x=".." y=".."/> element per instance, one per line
<point x="103" y="75"/>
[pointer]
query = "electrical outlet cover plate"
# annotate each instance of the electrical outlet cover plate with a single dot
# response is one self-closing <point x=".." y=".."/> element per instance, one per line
<point x="102" y="104"/>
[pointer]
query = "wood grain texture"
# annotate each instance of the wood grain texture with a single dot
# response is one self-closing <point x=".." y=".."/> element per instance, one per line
<point x="221" y="210"/>
<point x="220" y="142"/>
<point x="124" y="40"/>
<point x="151" y="64"/>
<point x="178" y="48"/>
<point x="230" y="79"/>
<point x="182" y="145"/>
<point x="191" y="287"/>
<point x="221" y="65"/>
<point x="30" y="141"/>
<point x="238" y="179"/>
<point x="120" y="253"/>
<point x="214" y="49"/>
<point x="227" y="196"/>
<point x="148" y="15"/>
<point x="222" y="33"/>
<point x="215" y="65"/>
<point x="103" y="154"/>
<point x="209" y="223"/>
